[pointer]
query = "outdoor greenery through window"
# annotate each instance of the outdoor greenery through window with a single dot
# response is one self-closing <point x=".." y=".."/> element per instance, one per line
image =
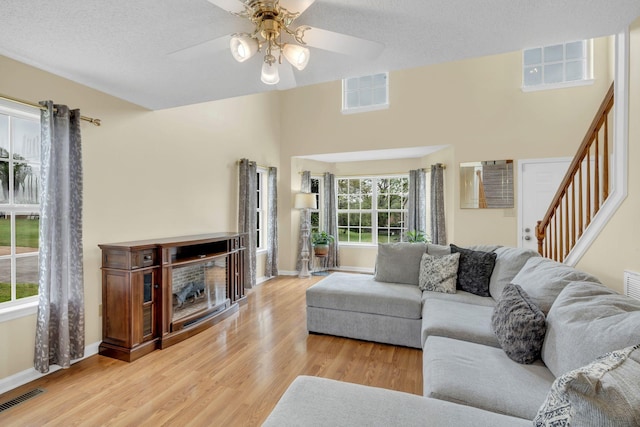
<point x="372" y="210"/>
<point x="19" y="203"/>
<point x="316" y="188"/>
<point x="260" y="211"/>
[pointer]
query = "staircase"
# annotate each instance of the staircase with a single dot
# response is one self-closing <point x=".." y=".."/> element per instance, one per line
<point x="583" y="190"/>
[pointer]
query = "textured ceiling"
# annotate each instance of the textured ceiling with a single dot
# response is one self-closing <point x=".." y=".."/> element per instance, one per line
<point x="123" y="47"/>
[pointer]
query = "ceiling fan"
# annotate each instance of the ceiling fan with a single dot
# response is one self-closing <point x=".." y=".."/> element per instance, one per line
<point x="274" y="35"/>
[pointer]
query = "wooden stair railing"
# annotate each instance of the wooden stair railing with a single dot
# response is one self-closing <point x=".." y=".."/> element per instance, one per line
<point x="582" y="192"/>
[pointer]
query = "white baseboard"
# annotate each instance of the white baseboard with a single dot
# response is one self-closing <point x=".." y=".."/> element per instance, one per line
<point x="28" y="375"/>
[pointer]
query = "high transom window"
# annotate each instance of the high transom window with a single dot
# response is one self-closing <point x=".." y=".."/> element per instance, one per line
<point x="557" y="65"/>
<point x="365" y="93"/>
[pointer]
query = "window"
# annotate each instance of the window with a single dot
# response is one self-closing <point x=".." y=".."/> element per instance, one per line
<point x="261" y="212"/>
<point x="555" y="66"/>
<point x="372" y="210"/>
<point x="366" y="93"/>
<point x="316" y="216"/>
<point x="19" y="204"/>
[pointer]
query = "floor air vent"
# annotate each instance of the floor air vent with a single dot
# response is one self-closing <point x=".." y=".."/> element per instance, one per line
<point x="632" y="284"/>
<point x="20" y="399"/>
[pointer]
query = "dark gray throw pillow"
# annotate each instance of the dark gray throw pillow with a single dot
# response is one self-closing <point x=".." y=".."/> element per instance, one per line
<point x="474" y="270"/>
<point x="519" y="325"/>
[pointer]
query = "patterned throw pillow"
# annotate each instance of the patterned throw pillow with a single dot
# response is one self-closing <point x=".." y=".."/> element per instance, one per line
<point x="603" y="393"/>
<point x="438" y="273"/>
<point x="474" y="270"/>
<point x="519" y="325"/>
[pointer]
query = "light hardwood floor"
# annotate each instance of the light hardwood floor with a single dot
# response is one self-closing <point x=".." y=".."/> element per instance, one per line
<point x="232" y="374"/>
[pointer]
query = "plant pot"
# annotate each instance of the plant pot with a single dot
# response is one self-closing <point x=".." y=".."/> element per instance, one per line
<point x="321" y="250"/>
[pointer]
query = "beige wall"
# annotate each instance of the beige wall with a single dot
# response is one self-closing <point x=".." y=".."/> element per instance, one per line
<point x="172" y="172"/>
<point x="146" y="174"/>
<point x="618" y="246"/>
<point x="475" y="106"/>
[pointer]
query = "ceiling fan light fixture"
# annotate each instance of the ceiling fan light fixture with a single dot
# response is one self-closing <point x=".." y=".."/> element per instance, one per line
<point x="243" y="47"/>
<point x="297" y="55"/>
<point x="270" y="75"/>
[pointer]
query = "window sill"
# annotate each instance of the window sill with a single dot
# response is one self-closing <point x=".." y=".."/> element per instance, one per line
<point x="18" y="311"/>
<point x="366" y="109"/>
<point x="563" y="85"/>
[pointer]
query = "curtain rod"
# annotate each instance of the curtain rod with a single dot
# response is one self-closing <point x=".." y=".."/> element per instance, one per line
<point x="427" y="170"/>
<point x="257" y="165"/>
<point x="32" y="104"/>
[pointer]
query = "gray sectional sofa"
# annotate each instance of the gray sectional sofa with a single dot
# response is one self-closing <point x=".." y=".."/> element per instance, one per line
<point x="586" y="367"/>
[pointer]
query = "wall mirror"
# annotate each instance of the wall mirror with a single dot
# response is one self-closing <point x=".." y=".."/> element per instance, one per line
<point x="487" y="184"/>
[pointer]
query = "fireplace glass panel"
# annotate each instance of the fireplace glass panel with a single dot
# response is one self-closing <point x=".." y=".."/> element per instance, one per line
<point x="199" y="290"/>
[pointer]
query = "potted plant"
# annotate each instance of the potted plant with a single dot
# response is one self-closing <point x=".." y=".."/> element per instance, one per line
<point x="415" y="236"/>
<point x="320" y="241"/>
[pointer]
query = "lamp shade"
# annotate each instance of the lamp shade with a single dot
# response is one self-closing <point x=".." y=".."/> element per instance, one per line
<point x="270" y="74"/>
<point x="297" y="55"/>
<point x="243" y="47"/>
<point x="305" y="201"/>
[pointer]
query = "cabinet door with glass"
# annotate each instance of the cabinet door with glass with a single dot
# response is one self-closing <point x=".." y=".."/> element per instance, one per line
<point x="145" y="291"/>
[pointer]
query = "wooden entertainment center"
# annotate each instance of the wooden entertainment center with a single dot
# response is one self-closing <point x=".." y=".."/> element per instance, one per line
<point x="158" y="292"/>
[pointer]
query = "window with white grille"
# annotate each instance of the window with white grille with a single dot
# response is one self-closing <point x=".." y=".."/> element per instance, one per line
<point x="560" y="65"/>
<point x="365" y="93"/>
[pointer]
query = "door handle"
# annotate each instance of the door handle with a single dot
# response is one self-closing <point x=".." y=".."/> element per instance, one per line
<point x="527" y="237"/>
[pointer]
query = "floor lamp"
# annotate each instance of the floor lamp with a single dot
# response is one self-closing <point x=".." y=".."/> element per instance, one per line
<point x="304" y="202"/>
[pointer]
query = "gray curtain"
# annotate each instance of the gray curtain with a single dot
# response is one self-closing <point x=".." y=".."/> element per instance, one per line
<point x="60" y="321"/>
<point x="305" y="187"/>
<point x="247" y="218"/>
<point x="330" y="214"/>
<point x="271" y="269"/>
<point x="417" y="201"/>
<point x="438" y="230"/>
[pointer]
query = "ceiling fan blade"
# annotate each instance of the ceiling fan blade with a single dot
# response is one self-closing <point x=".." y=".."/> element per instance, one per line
<point x="296" y="6"/>
<point x="235" y="7"/>
<point x="287" y="77"/>
<point x="201" y="49"/>
<point x="342" y="43"/>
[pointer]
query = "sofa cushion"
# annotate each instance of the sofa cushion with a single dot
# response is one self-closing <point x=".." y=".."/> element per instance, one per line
<point x="474" y="270"/>
<point x="509" y="261"/>
<point x="484" y="377"/>
<point x="543" y="279"/>
<point x="452" y="319"/>
<point x="438" y="250"/>
<point x="586" y="321"/>
<point x="606" y="392"/>
<point x="519" y="325"/>
<point x="361" y="293"/>
<point x="399" y="262"/>
<point x="321" y="402"/>
<point x="461" y="297"/>
<point x="439" y="273"/>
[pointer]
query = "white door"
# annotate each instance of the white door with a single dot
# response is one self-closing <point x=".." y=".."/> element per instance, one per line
<point x="538" y="182"/>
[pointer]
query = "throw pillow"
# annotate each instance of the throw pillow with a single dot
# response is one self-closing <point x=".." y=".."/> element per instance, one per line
<point x="509" y="261"/>
<point x="543" y="279"/>
<point x="474" y="270"/>
<point x="438" y="250"/>
<point x="602" y="393"/>
<point x="399" y="262"/>
<point x="586" y="321"/>
<point x="519" y="325"/>
<point x="438" y="273"/>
